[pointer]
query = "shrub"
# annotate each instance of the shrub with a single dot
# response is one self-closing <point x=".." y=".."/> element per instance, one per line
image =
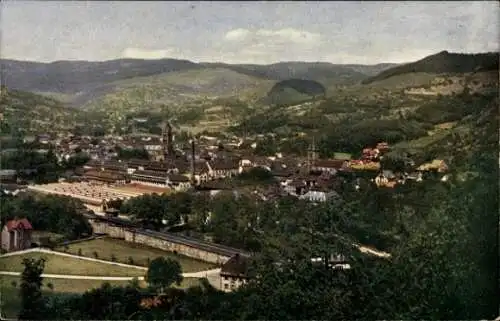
<point x="96" y="255"/>
<point x="113" y="258"/>
<point x="80" y="252"/>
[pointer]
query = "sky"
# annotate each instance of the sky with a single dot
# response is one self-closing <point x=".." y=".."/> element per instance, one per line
<point x="258" y="32"/>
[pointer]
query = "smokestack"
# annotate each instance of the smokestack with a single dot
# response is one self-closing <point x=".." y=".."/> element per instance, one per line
<point x="192" y="162"/>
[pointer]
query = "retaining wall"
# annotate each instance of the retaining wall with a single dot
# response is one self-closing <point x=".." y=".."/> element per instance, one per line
<point x="145" y="238"/>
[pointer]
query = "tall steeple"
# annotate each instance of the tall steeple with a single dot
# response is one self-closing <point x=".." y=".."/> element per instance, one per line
<point x="167" y="137"/>
<point x="312" y="154"/>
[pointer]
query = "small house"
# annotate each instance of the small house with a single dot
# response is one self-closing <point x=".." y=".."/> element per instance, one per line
<point x="234" y="273"/>
<point x="16" y="235"/>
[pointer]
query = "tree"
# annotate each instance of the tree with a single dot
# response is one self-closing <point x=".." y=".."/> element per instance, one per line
<point x="162" y="273"/>
<point x="32" y="303"/>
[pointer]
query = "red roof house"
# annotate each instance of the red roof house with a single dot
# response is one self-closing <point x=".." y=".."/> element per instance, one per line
<point x="16" y="235"/>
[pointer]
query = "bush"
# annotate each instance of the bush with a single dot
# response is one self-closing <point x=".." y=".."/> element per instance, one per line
<point x="96" y="255"/>
<point x="14" y="284"/>
<point x="80" y="252"/>
<point x="50" y="286"/>
<point x="130" y="260"/>
<point x="113" y="258"/>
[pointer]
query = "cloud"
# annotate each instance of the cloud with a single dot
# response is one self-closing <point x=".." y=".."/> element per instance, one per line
<point x="138" y="53"/>
<point x="267" y="45"/>
<point x="286" y="35"/>
<point x="290" y="35"/>
<point x="237" y="34"/>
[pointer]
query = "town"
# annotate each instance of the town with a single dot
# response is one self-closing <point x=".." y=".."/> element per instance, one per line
<point x="224" y="160"/>
<point x="208" y="166"/>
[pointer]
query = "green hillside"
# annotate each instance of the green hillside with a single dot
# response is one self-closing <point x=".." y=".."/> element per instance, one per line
<point x="443" y="62"/>
<point x="32" y="113"/>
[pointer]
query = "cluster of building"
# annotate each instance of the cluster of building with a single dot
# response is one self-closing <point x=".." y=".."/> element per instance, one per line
<point x="308" y="178"/>
<point x="209" y="161"/>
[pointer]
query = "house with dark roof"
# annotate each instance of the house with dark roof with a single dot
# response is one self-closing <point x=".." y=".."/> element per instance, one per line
<point x="329" y="165"/>
<point x="110" y="177"/>
<point x="149" y="178"/>
<point x="178" y="182"/>
<point x="8" y="175"/>
<point x="16" y="235"/>
<point x="223" y="168"/>
<point x="234" y="273"/>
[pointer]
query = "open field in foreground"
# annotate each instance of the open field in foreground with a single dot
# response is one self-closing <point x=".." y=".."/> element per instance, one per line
<point x="130" y="253"/>
<point x="10" y="301"/>
<point x="56" y="264"/>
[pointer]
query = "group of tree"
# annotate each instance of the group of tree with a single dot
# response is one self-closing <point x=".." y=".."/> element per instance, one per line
<point x="57" y="214"/>
<point x="132" y="153"/>
<point x="158" y="210"/>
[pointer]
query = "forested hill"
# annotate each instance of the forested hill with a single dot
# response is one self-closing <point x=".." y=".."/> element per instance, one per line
<point x="294" y="90"/>
<point x="443" y="62"/>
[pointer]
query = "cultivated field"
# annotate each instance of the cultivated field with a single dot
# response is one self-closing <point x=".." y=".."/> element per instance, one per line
<point x="57" y="264"/>
<point x="125" y="251"/>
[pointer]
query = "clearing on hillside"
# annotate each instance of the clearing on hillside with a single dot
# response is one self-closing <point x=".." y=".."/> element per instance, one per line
<point x="135" y="254"/>
<point x="58" y="264"/>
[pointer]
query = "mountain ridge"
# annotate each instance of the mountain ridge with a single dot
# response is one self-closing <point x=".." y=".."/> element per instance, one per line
<point x="443" y="62"/>
<point x="84" y="78"/>
<point x="82" y="82"/>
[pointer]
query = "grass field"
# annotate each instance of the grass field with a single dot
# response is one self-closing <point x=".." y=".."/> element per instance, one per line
<point x="9" y="294"/>
<point x="124" y="251"/>
<point x="56" y="264"/>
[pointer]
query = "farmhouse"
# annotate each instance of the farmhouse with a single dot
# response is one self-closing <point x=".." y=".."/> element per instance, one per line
<point x="234" y="273"/>
<point x="437" y="165"/>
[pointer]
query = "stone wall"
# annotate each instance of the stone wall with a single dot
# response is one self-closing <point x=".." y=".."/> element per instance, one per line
<point x="105" y="228"/>
<point x="132" y="236"/>
<point x="183" y="249"/>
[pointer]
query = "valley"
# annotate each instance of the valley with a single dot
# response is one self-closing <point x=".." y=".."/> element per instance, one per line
<point x="182" y="181"/>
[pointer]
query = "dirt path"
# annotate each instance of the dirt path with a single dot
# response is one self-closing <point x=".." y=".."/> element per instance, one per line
<point x="113" y="278"/>
<point x="200" y="274"/>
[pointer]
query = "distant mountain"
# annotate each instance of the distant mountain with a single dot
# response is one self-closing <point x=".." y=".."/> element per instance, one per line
<point x="442" y="62"/>
<point x="298" y="70"/>
<point x="84" y="81"/>
<point x="82" y="76"/>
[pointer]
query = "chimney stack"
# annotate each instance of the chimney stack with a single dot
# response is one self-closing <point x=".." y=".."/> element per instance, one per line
<point x="193" y="179"/>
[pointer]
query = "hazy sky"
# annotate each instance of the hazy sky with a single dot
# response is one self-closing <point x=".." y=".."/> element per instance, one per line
<point x="246" y="32"/>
